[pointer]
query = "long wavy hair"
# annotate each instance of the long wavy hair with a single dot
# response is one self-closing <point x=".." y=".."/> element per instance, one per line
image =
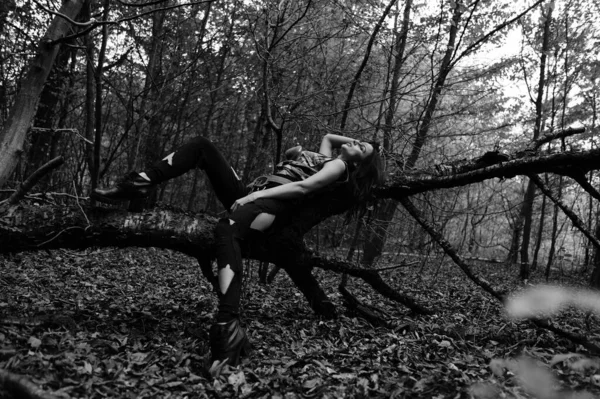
<point x="366" y="176"/>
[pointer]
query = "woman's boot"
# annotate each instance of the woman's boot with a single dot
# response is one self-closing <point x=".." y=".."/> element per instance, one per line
<point x="228" y="342"/>
<point x="132" y="186"/>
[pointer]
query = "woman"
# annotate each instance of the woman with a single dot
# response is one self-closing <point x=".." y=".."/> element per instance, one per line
<point x="253" y="209"/>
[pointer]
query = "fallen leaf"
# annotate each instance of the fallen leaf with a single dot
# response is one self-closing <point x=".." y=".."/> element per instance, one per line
<point x="34" y="342"/>
<point x="561" y="358"/>
<point x="310" y="384"/>
<point x="237" y="379"/>
<point x="497" y="367"/>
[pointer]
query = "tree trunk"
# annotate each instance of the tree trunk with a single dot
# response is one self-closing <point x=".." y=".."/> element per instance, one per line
<point x="590" y="220"/>
<point x="52" y="101"/>
<point x="98" y="125"/>
<point x="47" y="227"/>
<point x="595" y="278"/>
<point x="152" y="97"/>
<point x="361" y="68"/>
<point x="540" y="234"/>
<point x="526" y="214"/>
<point x="375" y="241"/>
<point x="513" y="251"/>
<point x="26" y="102"/>
<point x="554" y="236"/>
<point x="379" y="235"/>
<point x="89" y="94"/>
<point x="81" y="227"/>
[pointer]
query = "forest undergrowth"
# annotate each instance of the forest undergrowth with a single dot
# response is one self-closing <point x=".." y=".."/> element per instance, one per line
<point x="133" y="323"/>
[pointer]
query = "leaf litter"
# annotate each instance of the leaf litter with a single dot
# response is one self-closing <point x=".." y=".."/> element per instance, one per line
<point x="133" y="323"/>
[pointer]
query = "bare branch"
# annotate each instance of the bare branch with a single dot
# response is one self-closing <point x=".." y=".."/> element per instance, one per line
<point x="34" y="178"/>
<point x="80" y="24"/>
<point x="570" y="214"/>
<point x="141" y="5"/>
<point x="573" y="337"/>
<point x="586" y="185"/>
<point x="548" y="137"/>
<point x="448" y="249"/>
<point x="47" y="130"/>
<point x="485" y="37"/>
<point x="362" y="66"/>
<point x="92" y="24"/>
<point x="372" y="278"/>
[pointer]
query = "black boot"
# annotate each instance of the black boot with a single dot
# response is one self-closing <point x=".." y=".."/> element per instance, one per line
<point x="229" y="342"/>
<point x="132" y="186"/>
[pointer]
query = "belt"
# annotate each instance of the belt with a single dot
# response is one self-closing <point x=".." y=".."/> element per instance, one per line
<point x="261" y="183"/>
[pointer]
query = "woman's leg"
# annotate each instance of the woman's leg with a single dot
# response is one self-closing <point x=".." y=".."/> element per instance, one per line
<point x="227" y="338"/>
<point x="252" y="218"/>
<point x="199" y="152"/>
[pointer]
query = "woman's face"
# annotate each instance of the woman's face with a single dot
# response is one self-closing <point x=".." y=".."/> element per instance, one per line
<point x="356" y="151"/>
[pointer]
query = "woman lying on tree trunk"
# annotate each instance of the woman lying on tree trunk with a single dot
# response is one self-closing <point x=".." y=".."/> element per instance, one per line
<point x="253" y="209"/>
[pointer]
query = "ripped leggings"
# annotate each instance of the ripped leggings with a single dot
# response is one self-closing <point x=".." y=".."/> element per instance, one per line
<point x="252" y="218"/>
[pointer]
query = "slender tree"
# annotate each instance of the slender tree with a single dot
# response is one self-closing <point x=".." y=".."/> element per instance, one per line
<point x="24" y="108"/>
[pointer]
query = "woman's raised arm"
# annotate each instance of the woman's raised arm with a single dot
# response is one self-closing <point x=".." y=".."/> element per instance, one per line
<point x="332" y="141"/>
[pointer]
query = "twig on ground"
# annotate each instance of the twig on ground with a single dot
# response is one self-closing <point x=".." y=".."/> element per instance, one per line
<point x="404" y="264"/>
<point x="363" y="311"/>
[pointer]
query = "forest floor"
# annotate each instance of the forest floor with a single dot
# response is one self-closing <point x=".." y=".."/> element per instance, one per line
<point x="133" y="323"/>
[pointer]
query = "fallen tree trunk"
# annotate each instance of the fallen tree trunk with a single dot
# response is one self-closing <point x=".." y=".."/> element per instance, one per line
<point x="45" y="227"/>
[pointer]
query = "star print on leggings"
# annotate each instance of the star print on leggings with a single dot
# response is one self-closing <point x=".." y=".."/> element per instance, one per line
<point x="169" y="158"/>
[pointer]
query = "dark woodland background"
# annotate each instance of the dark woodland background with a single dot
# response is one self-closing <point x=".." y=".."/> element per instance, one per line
<point x="449" y="88"/>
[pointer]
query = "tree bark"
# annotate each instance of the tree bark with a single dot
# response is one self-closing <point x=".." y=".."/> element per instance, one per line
<point x="26" y="102"/>
<point x="50" y="109"/>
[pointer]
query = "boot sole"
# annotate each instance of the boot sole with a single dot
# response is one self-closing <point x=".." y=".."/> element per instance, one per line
<point x="108" y="200"/>
<point x="119" y="200"/>
<point x="244" y="350"/>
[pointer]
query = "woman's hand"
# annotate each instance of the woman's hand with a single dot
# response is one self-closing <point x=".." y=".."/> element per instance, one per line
<point x="244" y="200"/>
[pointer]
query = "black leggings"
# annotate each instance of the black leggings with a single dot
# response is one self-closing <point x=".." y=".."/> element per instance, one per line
<point x="252" y="218"/>
<point x="201" y="153"/>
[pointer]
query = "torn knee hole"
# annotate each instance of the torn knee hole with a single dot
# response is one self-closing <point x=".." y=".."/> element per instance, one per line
<point x="262" y="222"/>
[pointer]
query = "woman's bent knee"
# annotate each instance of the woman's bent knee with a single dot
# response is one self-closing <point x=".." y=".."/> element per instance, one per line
<point x="262" y="222"/>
